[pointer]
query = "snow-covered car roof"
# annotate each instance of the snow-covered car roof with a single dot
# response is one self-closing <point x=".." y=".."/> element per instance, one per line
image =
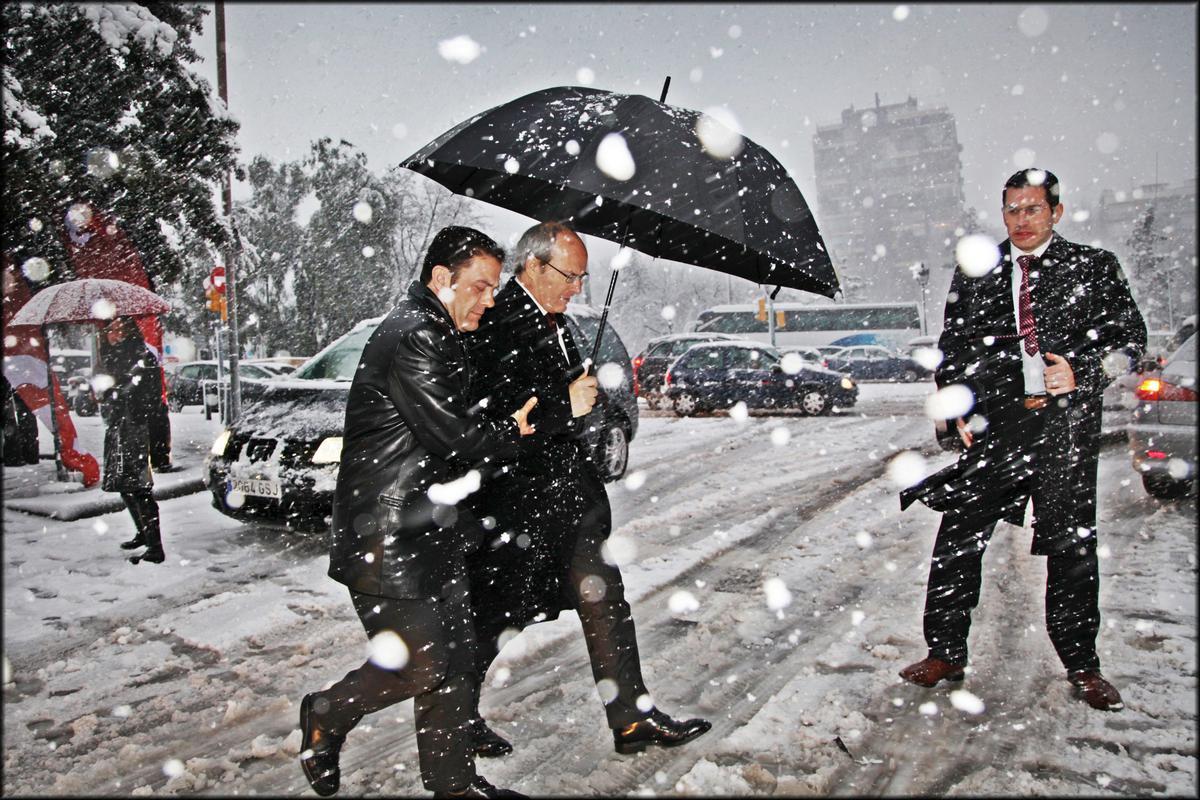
<point x="706" y="335"/>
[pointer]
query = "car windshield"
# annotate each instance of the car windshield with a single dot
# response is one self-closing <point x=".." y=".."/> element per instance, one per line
<point x="339" y="362"/>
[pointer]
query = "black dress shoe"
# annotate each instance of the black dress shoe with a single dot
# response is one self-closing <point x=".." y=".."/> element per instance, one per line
<point x="154" y="555"/>
<point x="319" y="752"/>
<point x="481" y="788"/>
<point x="486" y="743"/>
<point x="657" y="729"/>
<point x="134" y="543"/>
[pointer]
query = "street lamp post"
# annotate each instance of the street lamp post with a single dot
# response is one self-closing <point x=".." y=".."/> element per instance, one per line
<point x="234" y="409"/>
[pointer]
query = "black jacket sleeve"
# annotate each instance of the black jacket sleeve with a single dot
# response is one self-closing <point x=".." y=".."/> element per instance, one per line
<point x="1116" y="325"/>
<point x="424" y="386"/>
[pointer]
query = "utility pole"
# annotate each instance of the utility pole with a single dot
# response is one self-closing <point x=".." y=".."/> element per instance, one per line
<point x="234" y="409"/>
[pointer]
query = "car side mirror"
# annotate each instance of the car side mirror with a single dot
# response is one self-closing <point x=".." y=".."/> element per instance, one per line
<point x="1147" y="365"/>
<point x="777" y="368"/>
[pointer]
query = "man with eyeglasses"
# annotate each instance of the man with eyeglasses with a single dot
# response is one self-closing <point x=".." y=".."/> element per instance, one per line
<point x="1035" y="339"/>
<point x="550" y="507"/>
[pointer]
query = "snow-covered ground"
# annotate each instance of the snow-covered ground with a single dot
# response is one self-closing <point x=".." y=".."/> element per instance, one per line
<point x="185" y="678"/>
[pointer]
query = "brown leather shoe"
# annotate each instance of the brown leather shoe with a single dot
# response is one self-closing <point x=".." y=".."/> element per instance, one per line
<point x="1095" y="690"/>
<point x="930" y="671"/>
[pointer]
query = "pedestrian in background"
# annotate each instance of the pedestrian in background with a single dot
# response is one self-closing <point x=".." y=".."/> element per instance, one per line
<point x="128" y="406"/>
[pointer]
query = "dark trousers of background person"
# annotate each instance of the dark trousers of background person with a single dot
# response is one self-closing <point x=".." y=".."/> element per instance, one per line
<point x="144" y="510"/>
<point x="159" y="424"/>
<point x="955" y="574"/>
<point x="20" y="442"/>
<point x="438" y="676"/>
<point x="595" y="590"/>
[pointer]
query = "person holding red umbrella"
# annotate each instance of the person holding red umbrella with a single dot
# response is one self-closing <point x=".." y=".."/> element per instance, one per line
<point x="128" y="406"/>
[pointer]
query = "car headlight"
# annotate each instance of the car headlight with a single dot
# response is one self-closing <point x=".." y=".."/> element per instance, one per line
<point x="847" y="383"/>
<point x="329" y="451"/>
<point x="218" y="447"/>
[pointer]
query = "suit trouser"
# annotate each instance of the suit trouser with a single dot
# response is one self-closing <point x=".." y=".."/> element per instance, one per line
<point x="1072" y="595"/>
<point x="438" y="675"/>
<point x="595" y="590"/>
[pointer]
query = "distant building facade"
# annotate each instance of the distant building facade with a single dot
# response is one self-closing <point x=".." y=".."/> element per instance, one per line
<point x="1164" y="285"/>
<point x="890" y="195"/>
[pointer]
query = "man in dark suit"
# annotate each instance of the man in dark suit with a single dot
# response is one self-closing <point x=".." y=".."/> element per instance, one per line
<point x="550" y="506"/>
<point x="398" y="538"/>
<point x="1036" y="338"/>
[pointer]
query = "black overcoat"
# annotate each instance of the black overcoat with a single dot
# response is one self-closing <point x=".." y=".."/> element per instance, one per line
<point x="1083" y="311"/>
<point x="552" y="494"/>
<point x="409" y="427"/>
<point x="126" y="407"/>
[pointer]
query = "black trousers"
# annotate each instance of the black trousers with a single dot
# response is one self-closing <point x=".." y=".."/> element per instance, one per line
<point x="955" y="573"/>
<point x="144" y="510"/>
<point x="596" y="592"/>
<point x="438" y="673"/>
<point x="160" y="437"/>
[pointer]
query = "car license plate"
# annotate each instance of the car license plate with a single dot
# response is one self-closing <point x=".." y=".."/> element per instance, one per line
<point x="256" y="488"/>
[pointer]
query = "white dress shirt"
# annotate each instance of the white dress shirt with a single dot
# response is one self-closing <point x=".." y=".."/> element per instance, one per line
<point x="1033" y="366"/>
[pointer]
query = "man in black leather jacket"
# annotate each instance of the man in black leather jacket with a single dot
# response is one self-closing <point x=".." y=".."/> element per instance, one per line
<point x="551" y="507"/>
<point x="398" y="539"/>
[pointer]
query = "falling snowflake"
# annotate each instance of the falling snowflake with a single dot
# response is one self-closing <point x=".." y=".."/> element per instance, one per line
<point x="683" y="601"/>
<point x="976" y="255"/>
<point x="966" y="702"/>
<point x="906" y="468"/>
<point x="461" y="49"/>
<point x="36" y="269"/>
<point x="778" y="595"/>
<point x="363" y="212"/>
<point x="739" y="413"/>
<point x="614" y="159"/>
<point x="719" y="133"/>
<point x="949" y="402"/>
<point x="388" y="650"/>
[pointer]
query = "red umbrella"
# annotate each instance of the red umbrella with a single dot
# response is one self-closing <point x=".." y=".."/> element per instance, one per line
<point x="89" y="300"/>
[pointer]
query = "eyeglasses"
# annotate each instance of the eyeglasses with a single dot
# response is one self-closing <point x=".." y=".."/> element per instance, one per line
<point x="570" y="278"/>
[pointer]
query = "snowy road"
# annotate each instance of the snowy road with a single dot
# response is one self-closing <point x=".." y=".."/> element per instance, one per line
<point x="186" y="678"/>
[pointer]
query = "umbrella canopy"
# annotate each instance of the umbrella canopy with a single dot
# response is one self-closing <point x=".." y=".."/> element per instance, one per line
<point x="656" y="186"/>
<point x="89" y="300"/>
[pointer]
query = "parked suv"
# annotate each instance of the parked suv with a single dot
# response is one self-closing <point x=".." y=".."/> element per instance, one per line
<point x="1162" y="436"/>
<point x="279" y="461"/>
<point x="719" y="374"/>
<point x="651" y="364"/>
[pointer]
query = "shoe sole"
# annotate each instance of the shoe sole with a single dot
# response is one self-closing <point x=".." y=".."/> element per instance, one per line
<point x="959" y="678"/>
<point x="633" y="748"/>
<point x="305" y="727"/>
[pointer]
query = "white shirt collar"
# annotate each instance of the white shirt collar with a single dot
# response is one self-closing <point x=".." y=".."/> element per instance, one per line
<point x="1018" y="252"/>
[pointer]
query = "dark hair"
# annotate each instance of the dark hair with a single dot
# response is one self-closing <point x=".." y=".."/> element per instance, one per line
<point x="454" y="246"/>
<point x="1034" y="177"/>
<point x="538" y="241"/>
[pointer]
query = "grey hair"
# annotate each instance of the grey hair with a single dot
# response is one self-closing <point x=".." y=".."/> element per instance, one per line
<point x="538" y="241"/>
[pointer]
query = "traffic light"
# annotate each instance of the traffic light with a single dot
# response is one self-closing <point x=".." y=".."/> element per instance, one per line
<point x="780" y="320"/>
<point x="761" y="316"/>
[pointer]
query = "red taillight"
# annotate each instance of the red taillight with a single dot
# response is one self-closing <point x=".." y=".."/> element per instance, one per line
<point x="1157" y="390"/>
<point x="637" y="363"/>
<point x="825" y="363"/>
<point x="667" y="379"/>
<point x="1156" y="454"/>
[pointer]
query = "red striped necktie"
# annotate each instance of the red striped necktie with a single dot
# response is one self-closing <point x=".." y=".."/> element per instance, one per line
<point x="1027" y="327"/>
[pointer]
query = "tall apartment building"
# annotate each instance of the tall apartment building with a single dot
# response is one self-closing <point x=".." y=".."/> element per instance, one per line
<point x="889" y="195"/>
<point x="1167" y="290"/>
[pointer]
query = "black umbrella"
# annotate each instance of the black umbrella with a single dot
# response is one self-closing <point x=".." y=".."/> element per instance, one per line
<point x="537" y="155"/>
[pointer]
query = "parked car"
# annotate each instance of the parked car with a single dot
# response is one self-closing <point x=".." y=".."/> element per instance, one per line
<point x="714" y="375"/>
<point x="279" y="461"/>
<point x="650" y="365"/>
<point x="1162" y="435"/>
<point x="812" y="354"/>
<point x="186" y="383"/>
<point x="871" y="362"/>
